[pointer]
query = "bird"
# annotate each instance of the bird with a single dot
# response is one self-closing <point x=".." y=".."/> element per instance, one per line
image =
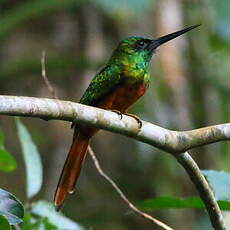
<point x="123" y="80"/>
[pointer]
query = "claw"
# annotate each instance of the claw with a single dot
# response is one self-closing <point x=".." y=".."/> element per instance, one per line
<point x="139" y="122"/>
<point x="119" y="113"/>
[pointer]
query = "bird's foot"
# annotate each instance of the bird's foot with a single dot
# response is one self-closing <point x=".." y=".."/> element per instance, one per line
<point x="139" y="122"/>
<point x="119" y="113"/>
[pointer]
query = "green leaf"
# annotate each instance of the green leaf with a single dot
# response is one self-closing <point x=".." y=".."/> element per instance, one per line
<point x="11" y="208"/>
<point x="218" y="180"/>
<point x="28" y="222"/>
<point x="173" y="202"/>
<point x="36" y="223"/>
<point x="46" y="209"/>
<point x="220" y="183"/>
<point x="7" y="162"/>
<point x="32" y="160"/>
<point x="4" y="224"/>
<point x="46" y="225"/>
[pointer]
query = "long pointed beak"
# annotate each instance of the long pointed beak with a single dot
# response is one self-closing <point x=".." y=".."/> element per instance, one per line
<point x="161" y="40"/>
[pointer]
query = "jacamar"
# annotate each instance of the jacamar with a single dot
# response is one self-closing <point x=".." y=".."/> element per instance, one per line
<point x="117" y="86"/>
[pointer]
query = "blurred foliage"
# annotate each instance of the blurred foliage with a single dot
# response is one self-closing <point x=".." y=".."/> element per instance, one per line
<point x="32" y="161"/>
<point x="28" y="10"/>
<point x="219" y="182"/>
<point x="31" y="223"/>
<point x="7" y="162"/>
<point x="173" y="202"/>
<point x="59" y="65"/>
<point x="4" y="223"/>
<point x="41" y="214"/>
<point x="45" y="209"/>
<point x="11" y="208"/>
<point x="122" y="7"/>
<point x="78" y="37"/>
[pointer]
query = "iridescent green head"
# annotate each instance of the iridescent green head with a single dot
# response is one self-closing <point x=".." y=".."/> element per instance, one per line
<point x="134" y="48"/>
<point x="139" y="50"/>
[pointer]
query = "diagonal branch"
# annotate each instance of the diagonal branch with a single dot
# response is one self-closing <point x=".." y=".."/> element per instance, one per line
<point x="122" y="195"/>
<point x="167" y="140"/>
<point x="204" y="190"/>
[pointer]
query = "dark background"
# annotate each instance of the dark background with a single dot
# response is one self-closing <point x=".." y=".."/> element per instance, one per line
<point x="190" y="88"/>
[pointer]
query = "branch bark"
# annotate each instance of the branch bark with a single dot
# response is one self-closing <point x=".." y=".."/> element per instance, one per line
<point x="204" y="190"/>
<point x="174" y="142"/>
<point x="168" y="140"/>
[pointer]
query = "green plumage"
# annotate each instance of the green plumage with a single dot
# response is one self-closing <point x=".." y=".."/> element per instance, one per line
<point x="107" y="79"/>
<point x="127" y="64"/>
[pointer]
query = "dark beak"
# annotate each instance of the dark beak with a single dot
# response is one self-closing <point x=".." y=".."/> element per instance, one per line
<point x="161" y="40"/>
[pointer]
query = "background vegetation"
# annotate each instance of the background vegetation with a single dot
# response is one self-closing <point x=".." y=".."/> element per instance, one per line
<point x="190" y="88"/>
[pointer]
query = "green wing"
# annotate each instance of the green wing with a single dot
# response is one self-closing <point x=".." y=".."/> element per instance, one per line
<point x="103" y="83"/>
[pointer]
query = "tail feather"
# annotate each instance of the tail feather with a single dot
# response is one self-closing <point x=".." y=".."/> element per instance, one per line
<point x="71" y="169"/>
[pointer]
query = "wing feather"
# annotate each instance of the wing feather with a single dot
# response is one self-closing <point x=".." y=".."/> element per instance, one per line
<point x="102" y="84"/>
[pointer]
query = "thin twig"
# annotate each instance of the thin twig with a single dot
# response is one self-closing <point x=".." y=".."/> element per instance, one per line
<point x="203" y="188"/>
<point x="121" y="194"/>
<point x="44" y="76"/>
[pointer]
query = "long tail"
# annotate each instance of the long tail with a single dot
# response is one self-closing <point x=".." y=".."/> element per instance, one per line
<point x="71" y="169"/>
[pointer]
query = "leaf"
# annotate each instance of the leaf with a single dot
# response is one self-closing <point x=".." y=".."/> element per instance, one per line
<point x="220" y="183"/>
<point x="171" y="202"/>
<point x="32" y="160"/>
<point x="36" y="223"/>
<point x="28" y="222"/>
<point x="11" y="208"/>
<point x="4" y="224"/>
<point x="46" y="209"/>
<point x="218" y="180"/>
<point x="46" y="225"/>
<point x="7" y="162"/>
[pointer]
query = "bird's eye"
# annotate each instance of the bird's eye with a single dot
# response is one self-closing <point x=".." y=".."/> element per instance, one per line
<point x="141" y="44"/>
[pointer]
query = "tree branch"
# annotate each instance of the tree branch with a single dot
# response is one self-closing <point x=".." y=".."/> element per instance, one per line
<point x="204" y="190"/>
<point x="174" y="142"/>
<point x="171" y="141"/>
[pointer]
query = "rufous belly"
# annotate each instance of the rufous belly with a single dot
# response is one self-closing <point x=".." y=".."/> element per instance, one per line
<point x="121" y="98"/>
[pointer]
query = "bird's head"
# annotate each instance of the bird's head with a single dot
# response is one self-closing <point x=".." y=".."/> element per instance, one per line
<point x="140" y="50"/>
